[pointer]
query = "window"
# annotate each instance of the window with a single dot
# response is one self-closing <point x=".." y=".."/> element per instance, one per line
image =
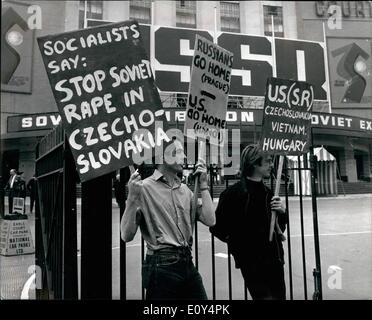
<point x="140" y="10"/>
<point x="94" y="11"/>
<point x="182" y="100"/>
<point x="186" y="14"/>
<point x="235" y="102"/>
<point x="230" y="16"/>
<point x="277" y="12"/>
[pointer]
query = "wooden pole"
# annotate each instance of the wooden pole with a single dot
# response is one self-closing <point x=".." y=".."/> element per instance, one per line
<point x="273" y="221"/>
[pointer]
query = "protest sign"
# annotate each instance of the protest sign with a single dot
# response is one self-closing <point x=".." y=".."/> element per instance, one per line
<point x="286" y="123"/>
<point x="208" y="92"/>
<point x="104" y="87"/>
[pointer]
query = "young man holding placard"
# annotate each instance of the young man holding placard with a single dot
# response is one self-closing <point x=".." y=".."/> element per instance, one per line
<point x="243" y="219"/>
<point x="163" y="208"/>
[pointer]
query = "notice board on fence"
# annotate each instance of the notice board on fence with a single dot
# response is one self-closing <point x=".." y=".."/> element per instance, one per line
<point x="208" y="92"/>
<point x="286" y="123"/>
<point x="104" y="88"/>
<point x="15" y="237"/>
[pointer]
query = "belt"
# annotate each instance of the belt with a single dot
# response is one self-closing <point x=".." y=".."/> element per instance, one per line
<point x="170" y="250"/>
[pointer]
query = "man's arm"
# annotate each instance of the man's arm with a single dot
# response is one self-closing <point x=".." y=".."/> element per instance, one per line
<point x="206" y="211"/>
<point x="132" y="214"/>
<point x="278" y="206"/>
<point x="131" y="219"/>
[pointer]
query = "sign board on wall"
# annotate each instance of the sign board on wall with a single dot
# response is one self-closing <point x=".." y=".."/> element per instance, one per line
<point x="104" y="87"/>
<point x="17" y="41"/>
<point x="15" y="238"/>
<point x="31" y="122"/>
<point x="247" y="117"/>
<point x="209" y="91"/>
<point x="350" y="65"/>
<point x="173" y="50"/>
<point x="286" y="124"/>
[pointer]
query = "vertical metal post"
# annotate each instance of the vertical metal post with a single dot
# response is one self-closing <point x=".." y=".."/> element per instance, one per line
<point x="302" y="227"/>
<point x="96" y="238"/>
<point x="142" y="259"/>
<point x="213" y="270"/>
<point x="196" y="239"/>
<point x="288" y="232"/>
<point x="318" y="294"/>
<point x="69" y="263"/>
<point x="85" y="14"/>
<point x="211" y="179"/>
<point x="229" y="262"/>
<point x="229" y="273"/>
<point x="124" y="177"/>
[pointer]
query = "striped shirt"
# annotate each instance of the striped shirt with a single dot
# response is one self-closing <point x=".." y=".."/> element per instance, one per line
<point x="164" y="213"/>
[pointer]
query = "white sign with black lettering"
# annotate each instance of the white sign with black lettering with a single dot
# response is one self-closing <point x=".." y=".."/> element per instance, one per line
<point x="208" y="92"/>
<point x="15" y="238"/>
<point x="18" y="205"/>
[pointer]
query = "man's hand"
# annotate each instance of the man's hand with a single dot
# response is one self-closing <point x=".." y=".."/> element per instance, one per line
<point x="134" y="186"/>
<point x="201" y="171"/>
<point x="277" y="205"/>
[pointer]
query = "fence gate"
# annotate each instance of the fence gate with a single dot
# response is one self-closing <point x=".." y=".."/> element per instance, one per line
<point x="55" y="218"/>
<point x="57" y="233"/>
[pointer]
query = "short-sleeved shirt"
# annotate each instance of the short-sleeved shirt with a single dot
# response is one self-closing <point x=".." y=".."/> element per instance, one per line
<point x="165" y="213"/>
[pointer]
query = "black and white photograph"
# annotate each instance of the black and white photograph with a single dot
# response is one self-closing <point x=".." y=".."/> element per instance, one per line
<point x="186" y="155"/>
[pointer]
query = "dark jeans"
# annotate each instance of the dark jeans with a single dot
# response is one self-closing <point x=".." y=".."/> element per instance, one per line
<point x="169" y="274"/>
<point x="265" y="282"/>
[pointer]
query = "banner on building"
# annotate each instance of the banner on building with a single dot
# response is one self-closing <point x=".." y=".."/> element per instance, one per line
<point x="286" y="123"/>
<point x="104" y="87"/>
<point x="350" y="64"/>
<point x="208" y="92"/>
<point x="17" y="44"/>
<point x="171" y="53"/>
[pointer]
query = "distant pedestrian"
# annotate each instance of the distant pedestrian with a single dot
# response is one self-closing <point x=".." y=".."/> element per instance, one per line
<point x="15" y="188"/>
<point x="31" y="187"/>
<point x="214" y="173"/>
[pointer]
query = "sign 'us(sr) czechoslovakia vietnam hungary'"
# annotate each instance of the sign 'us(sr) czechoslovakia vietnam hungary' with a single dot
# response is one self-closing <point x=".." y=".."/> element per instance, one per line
<point x="286" y="123"/>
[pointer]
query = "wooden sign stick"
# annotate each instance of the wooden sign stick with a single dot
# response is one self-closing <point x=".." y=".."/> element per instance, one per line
<point x="201" y="153"/>
<point x="276" y="193"/>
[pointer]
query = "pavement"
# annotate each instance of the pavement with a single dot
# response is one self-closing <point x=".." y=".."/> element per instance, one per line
<point x="345" y="235"/>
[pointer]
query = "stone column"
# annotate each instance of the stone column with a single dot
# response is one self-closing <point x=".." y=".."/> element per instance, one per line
<point x="350" y="163"/>
<point x="206" y="21"/>
<point x="251" y="17"/>
<point x="165" y="13"/>
<point x="116" y="11"/>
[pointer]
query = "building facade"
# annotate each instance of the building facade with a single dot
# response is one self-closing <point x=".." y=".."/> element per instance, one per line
<point x="28" y="109"/>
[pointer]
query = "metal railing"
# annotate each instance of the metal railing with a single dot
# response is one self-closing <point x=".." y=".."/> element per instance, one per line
<point x="57" y="233"/>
